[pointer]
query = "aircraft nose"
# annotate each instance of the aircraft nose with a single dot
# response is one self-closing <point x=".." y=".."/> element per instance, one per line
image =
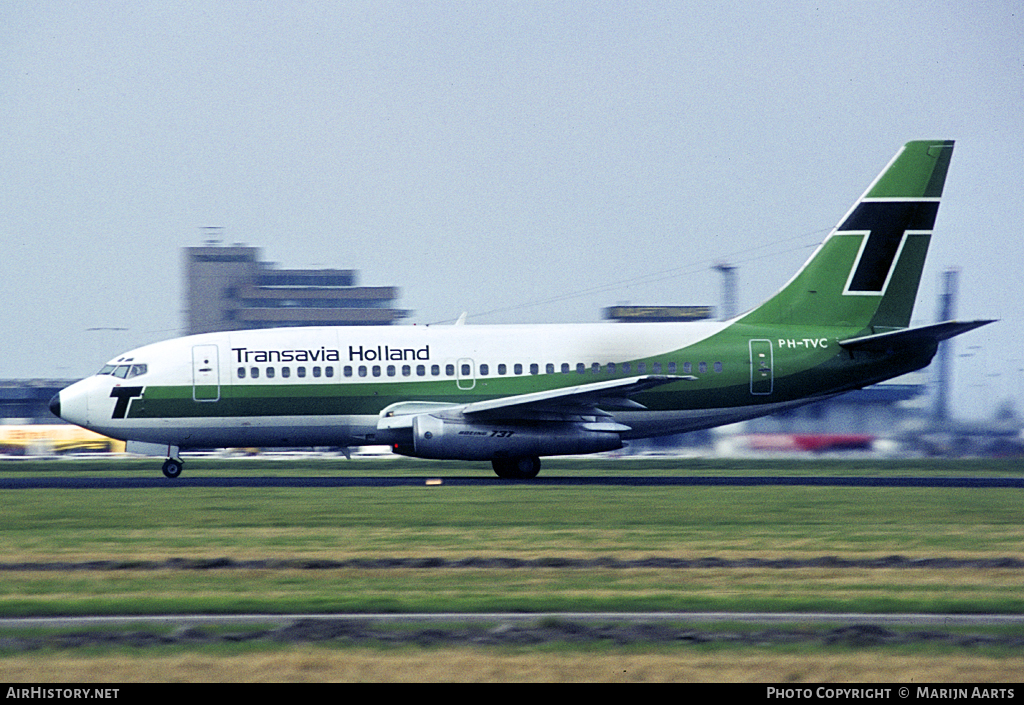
<point x="55" y="405"/>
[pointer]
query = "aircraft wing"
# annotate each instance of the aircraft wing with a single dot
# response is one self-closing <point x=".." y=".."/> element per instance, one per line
<point x="911" y="337"/>
<point x="583" y="399"/>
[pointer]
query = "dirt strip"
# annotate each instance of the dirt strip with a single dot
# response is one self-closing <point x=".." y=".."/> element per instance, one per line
<point x="345" y="632"/>
<point x="1003" y="563"/>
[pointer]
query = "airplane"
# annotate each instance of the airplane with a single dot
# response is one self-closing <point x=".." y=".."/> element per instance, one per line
<point x="512" y="394"/>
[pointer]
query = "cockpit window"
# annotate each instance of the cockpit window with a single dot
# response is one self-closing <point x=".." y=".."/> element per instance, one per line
<point x="124" y="371"/>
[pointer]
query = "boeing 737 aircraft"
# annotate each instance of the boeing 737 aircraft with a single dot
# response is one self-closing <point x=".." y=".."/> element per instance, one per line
<point x="514" y="393"/>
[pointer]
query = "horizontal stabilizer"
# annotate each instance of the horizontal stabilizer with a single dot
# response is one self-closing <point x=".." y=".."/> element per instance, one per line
<point x="911" y="337"/>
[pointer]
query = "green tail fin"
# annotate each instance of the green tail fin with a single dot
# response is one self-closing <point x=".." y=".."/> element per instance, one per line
<point x="866" y="273"/>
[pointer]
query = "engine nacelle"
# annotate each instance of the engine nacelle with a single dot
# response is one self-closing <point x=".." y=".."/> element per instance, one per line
<point x="448" y="439"/>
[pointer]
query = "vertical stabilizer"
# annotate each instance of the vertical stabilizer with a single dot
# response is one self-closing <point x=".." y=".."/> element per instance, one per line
<point x="866" y="273"/>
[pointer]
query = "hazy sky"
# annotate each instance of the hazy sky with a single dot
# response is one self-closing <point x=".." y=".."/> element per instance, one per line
<point x="521" y="161"/>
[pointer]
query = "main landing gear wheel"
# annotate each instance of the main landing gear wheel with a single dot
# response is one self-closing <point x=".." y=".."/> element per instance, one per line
<point x="516" y="468"/>
<point x="172" y="467"/>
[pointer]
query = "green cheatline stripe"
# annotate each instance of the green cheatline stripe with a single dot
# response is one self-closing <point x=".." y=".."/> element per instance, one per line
<point x="918" y="172"/>
<point x="718" y="390"/>
<point x="799" y="371"/>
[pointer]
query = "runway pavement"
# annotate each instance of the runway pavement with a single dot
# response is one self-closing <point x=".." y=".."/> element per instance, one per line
<point x="99" y="482"/>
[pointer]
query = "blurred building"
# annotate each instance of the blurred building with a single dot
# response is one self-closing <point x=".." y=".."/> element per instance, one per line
<point x="26" y="400"/>
<point x="877" y="410"/>
<point x="658" y="314"/>
<point x="230" y="288"/>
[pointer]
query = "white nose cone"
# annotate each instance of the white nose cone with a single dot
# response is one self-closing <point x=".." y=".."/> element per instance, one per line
<point x="72" y="403"/>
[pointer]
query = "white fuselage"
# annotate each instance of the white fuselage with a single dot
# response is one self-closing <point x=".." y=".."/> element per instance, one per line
<point x="367" y="363"/>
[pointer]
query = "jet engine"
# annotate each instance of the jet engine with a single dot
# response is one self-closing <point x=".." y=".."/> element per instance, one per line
<point x="458" y="439"/>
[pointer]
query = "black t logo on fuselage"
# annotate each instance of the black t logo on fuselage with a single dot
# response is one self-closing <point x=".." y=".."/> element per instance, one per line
<point x="123" y="396"/>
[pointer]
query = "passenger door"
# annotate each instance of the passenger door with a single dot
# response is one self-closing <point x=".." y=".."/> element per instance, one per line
<point x="205" y="373"/>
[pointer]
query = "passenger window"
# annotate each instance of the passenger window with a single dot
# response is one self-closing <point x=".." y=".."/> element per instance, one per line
<point x="518" y="368"/>
<point x="641" y="368"/>
<point x="391" y="370"/>
<point x="703" y="367"/>
<point x="329" y="371"/>
<point x="449" y="370"/>
<point x="254" y="372"/>
<point x="270" y="372"/>
<point x="435" y="370"/>
<point x="671" y="368"/>
<point x="718" y="367"/>
<point x="300" y="371"/>
<point x="625" y="368"/>
<point x="534" y="368"/>
<point x="465" y="370"/>
<point x="406" y="370"/>
<point x="286" y="372"/>
<point x="596" y="368"/>
<point x="362" y="370"/>
<point x="580" y="368"/>
<point x="241" y="373"/>
<point x="656" y="368"/>
<point x="502" y="369"/>
<point x="421" y="370"/>
<point x="565" y="368"/>
<point x="376" y="370"/>
<point x="484" y="369"/>
<point x="611" y="368"/>
<point x="550" y="368"/>
<point x="687" y="367"/>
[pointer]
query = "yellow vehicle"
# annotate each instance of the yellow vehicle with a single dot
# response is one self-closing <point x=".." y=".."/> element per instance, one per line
<point x="44" y="439"/>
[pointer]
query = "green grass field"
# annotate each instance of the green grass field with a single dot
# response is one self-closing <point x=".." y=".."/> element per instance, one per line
<point x="515" y="521"/>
